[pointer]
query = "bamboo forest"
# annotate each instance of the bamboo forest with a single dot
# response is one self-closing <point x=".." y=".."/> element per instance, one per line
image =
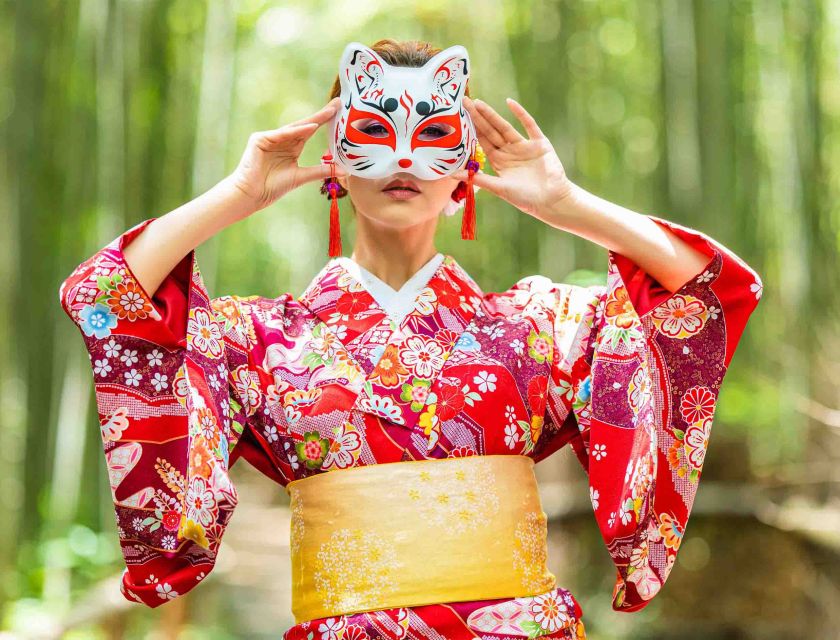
<point x="723" y="116"/>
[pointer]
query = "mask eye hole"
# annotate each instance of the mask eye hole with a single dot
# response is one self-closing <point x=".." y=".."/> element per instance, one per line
<point x="435" y="131"/>
<point x="371" y="127"/>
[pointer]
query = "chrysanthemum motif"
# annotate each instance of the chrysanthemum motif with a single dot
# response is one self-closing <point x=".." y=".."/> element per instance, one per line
<point x="698" y="403"/>
<point x="550" y="613"/>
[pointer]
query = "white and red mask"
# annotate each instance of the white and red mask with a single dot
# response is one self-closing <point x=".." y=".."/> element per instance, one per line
<point x="402" y="119"/>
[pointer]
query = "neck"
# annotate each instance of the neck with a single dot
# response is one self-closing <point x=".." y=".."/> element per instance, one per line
<point x="393" y="255"/>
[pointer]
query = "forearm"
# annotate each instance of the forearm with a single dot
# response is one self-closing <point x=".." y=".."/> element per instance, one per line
<point x="667" y="258"/>
<point x="163" y="244"/>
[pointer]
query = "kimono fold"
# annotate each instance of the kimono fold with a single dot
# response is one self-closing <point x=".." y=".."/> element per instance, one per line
<point x="626" y="372"/>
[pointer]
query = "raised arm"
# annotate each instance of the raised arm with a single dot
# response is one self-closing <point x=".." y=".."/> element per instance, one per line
<point x="268" y="170"/>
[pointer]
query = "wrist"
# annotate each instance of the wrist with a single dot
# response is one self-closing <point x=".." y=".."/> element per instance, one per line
<point x="561" y="207"/>
<point x="238" y="203"/>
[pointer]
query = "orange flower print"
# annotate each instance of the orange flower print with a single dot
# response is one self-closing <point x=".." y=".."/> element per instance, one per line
<point x="671" y="531"/>
<point x="680" y="316"/>
<point x="389" y="370"/>
<point x="208" y="426"/>
<point x="200" y="457"/>
<point x="127" y="300"/>
<point x="620" y="309"/>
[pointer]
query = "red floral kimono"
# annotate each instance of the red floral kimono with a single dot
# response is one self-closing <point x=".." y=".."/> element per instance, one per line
<point x="628" y="373"/>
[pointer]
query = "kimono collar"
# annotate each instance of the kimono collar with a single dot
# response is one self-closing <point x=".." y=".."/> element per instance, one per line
<point x="440" y="310"/>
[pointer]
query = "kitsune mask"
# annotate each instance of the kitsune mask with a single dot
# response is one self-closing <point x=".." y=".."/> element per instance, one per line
<point x="402" y="119"/>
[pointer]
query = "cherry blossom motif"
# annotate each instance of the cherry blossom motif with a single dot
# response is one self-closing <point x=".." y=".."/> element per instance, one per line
<point x="486" y="381"/>
<point x="646" y="581"/>
<point x="247" y="386"/>
<point x="422" y="354"/>
<point x="698" y="403"/>
<point x="344" y="449"/>
<point x="200" y="502"/>
<point x="166" y="592"/>
<point x="680" y="316"/>
<point x="115" y="424"/>
<point x="639" y="389"/>
<point x="756" y="287"/>
<point x="204" y="334"/>
<point x="599" y="451"/>
<point x="330" y="628"/>
<point x="593" y="497"/>
<point x="696" y="443"/>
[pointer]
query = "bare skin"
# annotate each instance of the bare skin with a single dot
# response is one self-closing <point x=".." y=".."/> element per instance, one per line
<point x="394" y="238"/>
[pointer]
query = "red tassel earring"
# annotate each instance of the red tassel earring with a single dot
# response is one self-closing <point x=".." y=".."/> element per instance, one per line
<point x="468" y="218"/>
<point x="332" y="186"/>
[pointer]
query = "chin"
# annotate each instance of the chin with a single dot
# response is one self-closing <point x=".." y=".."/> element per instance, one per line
<point x="400" y="215"/>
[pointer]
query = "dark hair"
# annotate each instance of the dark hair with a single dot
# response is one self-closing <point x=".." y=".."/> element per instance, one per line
<point x="397" y="53"/>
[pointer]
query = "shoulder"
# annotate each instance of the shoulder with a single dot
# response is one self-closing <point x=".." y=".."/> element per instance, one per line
<point x="542" y="293"/>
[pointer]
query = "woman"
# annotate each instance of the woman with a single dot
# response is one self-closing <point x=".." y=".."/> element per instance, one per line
<point x="395" y="355"/>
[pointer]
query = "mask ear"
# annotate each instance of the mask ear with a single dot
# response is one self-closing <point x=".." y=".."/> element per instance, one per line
<point x="449" y="71"/>
<point x="360" y="69"/>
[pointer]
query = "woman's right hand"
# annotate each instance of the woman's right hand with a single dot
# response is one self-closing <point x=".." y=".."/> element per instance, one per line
<point x="269" y="166"/>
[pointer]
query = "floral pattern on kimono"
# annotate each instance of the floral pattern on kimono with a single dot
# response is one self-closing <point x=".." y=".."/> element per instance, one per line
<point x="626" y="372"/>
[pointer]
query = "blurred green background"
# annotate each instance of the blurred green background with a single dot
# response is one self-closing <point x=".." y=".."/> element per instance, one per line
<point x="720" y="115"/>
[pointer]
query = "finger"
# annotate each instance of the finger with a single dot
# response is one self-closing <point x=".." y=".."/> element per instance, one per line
<point x="288" y="135"/>
<point x="505" y="128"/>
<point x="493" y="184"/>
<point x="531" y="126"/>
<point x="323" y="114"/>
<point x="489" y="138"/>
<point x="319" y="172"/>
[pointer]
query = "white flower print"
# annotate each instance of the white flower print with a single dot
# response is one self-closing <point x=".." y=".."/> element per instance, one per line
<point x="485" y="380"/>
<point x="705" y="276"/>
<point x="611" y="520"/>
<point x="624" y="513"/>
<point x="137" y="523"/>
<point x="271" y="433"/>
<point x="549" y="612"/>
<point x="155" y="358"/>
<point x="340" y="331"/>
<point x="713" y="312"/>
<point x="159" y="381"/>
<point x="510" y="413"/>
<point x="330" y="627"/>
<point x="599" y="451"/>
<point x="132" y="378"/>
<point x="511" y="435"/>
<point x="112" y="348"/>
<point x="518" y="346"/>
<point x="101" y="367"/>
<point x="129" y="356"/>
<point x="168" y="542"/>
<point x="423" y="354"/>
<point x="593" y="497"/>
<point x="166" y="592"/>
<point x="757" y="287"/>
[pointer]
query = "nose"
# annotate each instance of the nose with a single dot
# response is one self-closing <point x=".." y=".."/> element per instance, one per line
<point x="404" y="163"/>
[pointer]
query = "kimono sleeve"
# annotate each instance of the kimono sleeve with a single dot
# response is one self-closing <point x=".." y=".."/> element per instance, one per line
<point x="642" y="368"/>
<point x="166" y="368"/>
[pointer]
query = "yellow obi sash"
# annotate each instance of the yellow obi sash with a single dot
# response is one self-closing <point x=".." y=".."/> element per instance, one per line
<point x="417" y="532"/>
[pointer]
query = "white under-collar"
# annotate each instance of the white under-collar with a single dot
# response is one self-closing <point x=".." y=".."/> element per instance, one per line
<point x="397" y="304"/>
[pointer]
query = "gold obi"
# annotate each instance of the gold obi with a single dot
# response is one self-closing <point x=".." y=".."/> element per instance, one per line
<point x="417" y="532"/>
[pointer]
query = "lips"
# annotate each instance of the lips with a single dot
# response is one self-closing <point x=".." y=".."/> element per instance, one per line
<point x="402" y="184"/>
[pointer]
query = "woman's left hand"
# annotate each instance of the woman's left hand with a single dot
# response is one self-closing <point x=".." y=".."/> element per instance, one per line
<point x="529" y="175"/>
